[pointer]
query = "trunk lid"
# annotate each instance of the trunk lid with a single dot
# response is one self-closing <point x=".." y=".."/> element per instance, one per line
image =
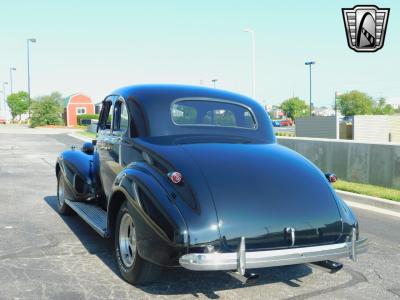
<point x="260" y="190"/>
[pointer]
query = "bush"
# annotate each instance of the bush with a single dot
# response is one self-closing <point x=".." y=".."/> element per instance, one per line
<point x="87" y="117"/>
<point x="46" y="110"/>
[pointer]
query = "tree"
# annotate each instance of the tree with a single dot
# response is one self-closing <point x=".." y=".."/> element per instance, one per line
<point x="57" y="97"/>
<point x="355" y="103"/>
<point x="18" y="103"/>
<point x="382" y="108"/>
<point x="47" y="110"/>
<point x="295" y="107"/>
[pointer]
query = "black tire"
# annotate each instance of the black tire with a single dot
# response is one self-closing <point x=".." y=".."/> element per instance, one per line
<point x="140" y="271"/>
<point x="63" y="208"/>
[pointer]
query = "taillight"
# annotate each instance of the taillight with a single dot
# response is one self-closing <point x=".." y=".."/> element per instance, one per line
<point x="175" y="177"/>
<point x="331" y="177"/>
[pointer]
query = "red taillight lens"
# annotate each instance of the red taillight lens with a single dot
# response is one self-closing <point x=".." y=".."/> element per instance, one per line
<point x="175" y="177"/>
<point x="332" y="178"/>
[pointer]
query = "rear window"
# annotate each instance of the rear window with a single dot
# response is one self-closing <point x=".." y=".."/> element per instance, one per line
<point x="212" y="113"/>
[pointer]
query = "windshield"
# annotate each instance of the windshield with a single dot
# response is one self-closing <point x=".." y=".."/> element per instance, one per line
<point x="193" y="112"/>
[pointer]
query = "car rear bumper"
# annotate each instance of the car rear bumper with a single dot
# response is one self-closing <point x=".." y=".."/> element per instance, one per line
<point x="260" y="259"/>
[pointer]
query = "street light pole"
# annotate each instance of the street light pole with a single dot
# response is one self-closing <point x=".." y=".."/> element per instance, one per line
<point x="29" y="76"/>
<point x="253" y="49"/>
<point x="337" y="94"/>
<point x="4" y="97"/>
<point x="1" y="108"/>
<point x="11" y="79"/>
<point x="310" y="63"/>
<point x="214" y="81"/>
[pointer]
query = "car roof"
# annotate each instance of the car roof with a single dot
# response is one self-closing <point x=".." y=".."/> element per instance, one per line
<point x="145" y="92"/>
<point x="155" y="100"/>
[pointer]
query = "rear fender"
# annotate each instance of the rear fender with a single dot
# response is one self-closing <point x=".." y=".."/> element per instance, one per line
<point x="161" y="231"/>
<point x="80" y="172"/>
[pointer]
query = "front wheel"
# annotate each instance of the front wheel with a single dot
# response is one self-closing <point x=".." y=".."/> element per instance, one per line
<point x="133" y="268"/>
<point x="63" y="207"/>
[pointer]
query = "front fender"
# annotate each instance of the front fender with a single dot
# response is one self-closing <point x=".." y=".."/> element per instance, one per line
<point x="79" y="171"/>
<point x="161" y="232"/>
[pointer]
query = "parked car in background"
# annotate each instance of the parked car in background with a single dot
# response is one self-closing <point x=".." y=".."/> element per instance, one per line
<point x="193" y="177"/>
<point x="284" y="123"/>
<point x="3" y="120"/>
<point x="276" y="123"/>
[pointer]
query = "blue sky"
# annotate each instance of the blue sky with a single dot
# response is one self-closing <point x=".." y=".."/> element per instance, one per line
<point x="94" y="47"/>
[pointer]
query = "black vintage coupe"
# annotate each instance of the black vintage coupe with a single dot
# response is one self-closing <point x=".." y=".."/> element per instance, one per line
<point x="193" y="177"/>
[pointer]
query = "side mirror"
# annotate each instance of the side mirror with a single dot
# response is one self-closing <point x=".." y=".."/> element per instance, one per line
<point x="88" y="148"/>
<point x="331" y="177"/>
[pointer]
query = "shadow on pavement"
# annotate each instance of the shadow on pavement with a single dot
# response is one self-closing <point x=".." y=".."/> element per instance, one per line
<point x="175" y="281"/>
<point x="94" y="243"/>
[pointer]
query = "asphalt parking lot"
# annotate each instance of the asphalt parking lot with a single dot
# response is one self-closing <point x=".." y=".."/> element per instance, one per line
<point x="47" y="256"/>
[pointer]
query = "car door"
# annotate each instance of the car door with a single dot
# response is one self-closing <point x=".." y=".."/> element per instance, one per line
<point x="122" y="132"/>
<point x="110" y="142"/>
<point x="105" y="141"/>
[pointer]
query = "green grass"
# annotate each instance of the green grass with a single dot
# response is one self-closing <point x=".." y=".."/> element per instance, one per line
<point x="368" y="189"/>
<point x="290" y="134"/>
<point x="91" y="135"/>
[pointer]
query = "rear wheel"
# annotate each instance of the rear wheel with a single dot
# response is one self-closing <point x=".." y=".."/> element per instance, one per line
<point x="133" y="268"/>
<point x="63" y="207"/>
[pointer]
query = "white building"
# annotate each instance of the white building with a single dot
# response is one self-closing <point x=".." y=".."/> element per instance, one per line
<point x="324" y="111"/>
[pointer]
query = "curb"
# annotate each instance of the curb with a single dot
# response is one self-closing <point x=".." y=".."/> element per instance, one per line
<point x="369" y="200"/>
<point x="80" y="137"/>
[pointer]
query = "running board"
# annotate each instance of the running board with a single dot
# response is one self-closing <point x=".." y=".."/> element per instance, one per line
<point x="94" y="215"/>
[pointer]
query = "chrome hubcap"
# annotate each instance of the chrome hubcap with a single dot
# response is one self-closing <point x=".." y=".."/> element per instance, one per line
<point x="127" y="240"/>
<point x="61" y="191"/>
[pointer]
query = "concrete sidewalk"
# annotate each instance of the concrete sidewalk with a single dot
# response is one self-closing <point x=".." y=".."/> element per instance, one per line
<point x="369" y="200"/>
<point x="25" y="129"/>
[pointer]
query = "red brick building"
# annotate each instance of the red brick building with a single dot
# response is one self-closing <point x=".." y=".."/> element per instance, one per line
<point x="74" y="105"/>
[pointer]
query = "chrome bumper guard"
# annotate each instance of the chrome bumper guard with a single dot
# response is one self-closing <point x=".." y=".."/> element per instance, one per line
<point x="243" y="260"/>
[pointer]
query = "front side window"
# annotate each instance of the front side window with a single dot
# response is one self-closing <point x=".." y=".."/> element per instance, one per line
<point x="105" y="116"/>
<point x="121" y="120"/>
<point x="211" y="113"/>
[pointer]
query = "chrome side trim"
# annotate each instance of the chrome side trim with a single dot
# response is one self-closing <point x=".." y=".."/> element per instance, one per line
<point x="271" y="258"/>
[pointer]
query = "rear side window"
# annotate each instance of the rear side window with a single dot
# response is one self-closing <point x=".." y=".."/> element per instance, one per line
<point x="217" y="113"/>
